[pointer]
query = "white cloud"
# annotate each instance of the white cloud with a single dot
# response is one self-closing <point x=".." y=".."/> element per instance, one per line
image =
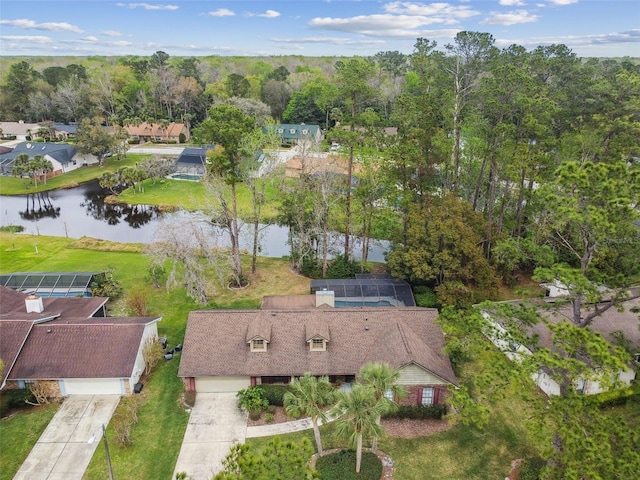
<point x="510" y="18"/>
<point x="222" y="12"/>
<point x="377" y="25"/>
<point x="111" y="33"/>
<point x="563" y="2"/>
<point x="26" y="38"/>
<point x="89" y="39"/>
<point x="267" y="14"/>
<point x="49" y="26"/>
<point x="328" y="40"/>
<point x="148" y="6"/>
<point x="432" y="9"/>
<point x="511" y="3"/>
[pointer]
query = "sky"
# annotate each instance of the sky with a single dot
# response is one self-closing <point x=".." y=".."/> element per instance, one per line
<point x="590" y="28"/>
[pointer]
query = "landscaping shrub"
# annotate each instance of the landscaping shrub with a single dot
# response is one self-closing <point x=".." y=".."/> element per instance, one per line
<point x="271" y="409"/>
<point x="419" y="412"/>
<point x="252" y="399"/>
<point x="182" y="138"/>
<point x="190" y="397"/>
<point x="531" y="469"/>
<point x="275" y="394"/>
<point x="342" y="466"/>
<point x="269" y="417"/>
<point x="342" y="267"/>
<point x="15" y="399"/>
<point x="254" y="414"/>
<point x="425" y="297"/>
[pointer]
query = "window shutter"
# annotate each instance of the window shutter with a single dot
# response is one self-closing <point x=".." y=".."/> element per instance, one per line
<point x="436" y="396"/>
<point x="420" y="396"/>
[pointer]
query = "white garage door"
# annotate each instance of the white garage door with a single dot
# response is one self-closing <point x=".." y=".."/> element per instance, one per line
<point x="221" y="384"/>
<point x="91" y="386"/>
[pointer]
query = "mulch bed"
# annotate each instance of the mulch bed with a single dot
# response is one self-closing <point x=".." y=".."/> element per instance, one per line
<point x="400" y="428"/>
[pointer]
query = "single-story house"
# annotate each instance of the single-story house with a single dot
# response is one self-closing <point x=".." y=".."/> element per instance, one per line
<point x="228" y="350"/>
<point x="63" y="157"/>
<point x="147" y="132"/>
<point x="292" y="134"/>
<point x="611" y="324"/>
<point x="20" y="130"/>
<point x="68" y="346"/>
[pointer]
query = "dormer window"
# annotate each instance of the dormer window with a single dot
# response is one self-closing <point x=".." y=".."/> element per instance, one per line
<point x="258" y="345"/>
<point x="292" y="131"/>
<point x="318" y="344"/>
<point x="305" y="131"/>
<point x="281" y="130"/>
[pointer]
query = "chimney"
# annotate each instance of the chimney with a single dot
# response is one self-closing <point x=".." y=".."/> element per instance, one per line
<point x="34" y="304"/>
<point x="325" y="297"/>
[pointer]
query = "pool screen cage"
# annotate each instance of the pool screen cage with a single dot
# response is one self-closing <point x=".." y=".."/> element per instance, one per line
<point x="367" y="288"/>
<point x="51" y="284"/>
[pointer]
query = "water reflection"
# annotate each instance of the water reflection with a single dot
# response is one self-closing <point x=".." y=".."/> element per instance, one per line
<point x="44" y="208"/>
<point x="113" y="213"/>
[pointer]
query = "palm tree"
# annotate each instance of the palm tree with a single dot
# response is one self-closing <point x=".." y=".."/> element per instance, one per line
<point x="309" y="396"/>
<point x="358" y="412"/>
<point x="384" y="381"/>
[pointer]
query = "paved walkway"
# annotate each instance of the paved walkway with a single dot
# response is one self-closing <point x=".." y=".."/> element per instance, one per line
<point x="215" y="425"/>
<point x="280" y="428"/>
<point x="62" y="452"/>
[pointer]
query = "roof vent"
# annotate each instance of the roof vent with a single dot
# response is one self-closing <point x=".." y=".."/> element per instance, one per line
<point x="34" y="304"/>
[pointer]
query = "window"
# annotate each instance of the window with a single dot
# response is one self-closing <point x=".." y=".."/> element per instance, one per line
<point x="317" y="344"/>
<point x="258" y="345"/>
<point x="427" y="396"/>
<point x="281" y="130"/>
<point x="292" y="131"/>
<point x="305" y="131"/>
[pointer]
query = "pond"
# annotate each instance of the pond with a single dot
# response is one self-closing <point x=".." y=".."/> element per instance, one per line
<point x="82" y="211"/>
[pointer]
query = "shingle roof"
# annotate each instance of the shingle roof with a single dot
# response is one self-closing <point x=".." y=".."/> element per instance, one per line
<point x="215" y="342"/>
<point x="78" y="351"/>
<point x="65" y="340"/>
<point x="62" y="152"/>
<point x="145" y="129"/>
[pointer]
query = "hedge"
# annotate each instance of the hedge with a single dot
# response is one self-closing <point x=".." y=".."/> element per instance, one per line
<point x="14" y="399"/>
<point x="275" y="394"/>
<point x="419" y="412"/>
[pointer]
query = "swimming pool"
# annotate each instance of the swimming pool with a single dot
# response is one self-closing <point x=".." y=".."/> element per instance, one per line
<point x="186" y="176"/>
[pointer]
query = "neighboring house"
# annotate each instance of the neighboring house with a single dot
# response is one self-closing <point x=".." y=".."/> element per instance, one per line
<point x="63" y="157"/>
<point x="68" y="345"/>
<point x="228" y="350"/>
<point x="63" y="131"/>
<point x="293" y="134"/>
<point x="147" y="132"/>
<point x="612" y="325"/>
<point x="20" y="130"/>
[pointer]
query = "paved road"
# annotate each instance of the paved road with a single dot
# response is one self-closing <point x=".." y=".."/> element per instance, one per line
<point x="62" y="451"/>
<point x="215" y="425"/>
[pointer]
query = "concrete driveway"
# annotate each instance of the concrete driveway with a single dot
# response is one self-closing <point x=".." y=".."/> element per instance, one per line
<point x="215" y="424"/>
<point x="62" y="451"/>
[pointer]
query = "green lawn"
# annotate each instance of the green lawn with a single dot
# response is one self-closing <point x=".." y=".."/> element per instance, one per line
<point x="18" y="186"/>
<point x="18" y="435"/>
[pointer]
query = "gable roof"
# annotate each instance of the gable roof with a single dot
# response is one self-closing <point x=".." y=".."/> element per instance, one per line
<point x="86" y="350"/>
<point x="215" y="342"/>
<point x="65" y="340"/>
<point x="291" y="131"/>
<point x="173" y="130"/>
<point x="18" y="128"/>
<point x="61" y="152"/>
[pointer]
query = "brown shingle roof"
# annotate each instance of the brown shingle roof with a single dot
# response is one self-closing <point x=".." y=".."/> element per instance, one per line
<point x="12" y="335"/>
<point x="55" y="351"/>
<point x="215" y="342"/>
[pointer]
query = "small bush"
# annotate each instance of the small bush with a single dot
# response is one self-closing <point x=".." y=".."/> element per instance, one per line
<point x="531" y="469"/>
<point x="254" y="414"/>
<point x="275" y="394"/>
<point x="425" y="297"/>
<point x="269" y="417"/>
<point x="419" y="412"/>
<point x="190" y="398"/>
<point x="12" y="228"/>
<point x="342" y="267"/>
<point x="15" y="399"/>
<point x="252" y="398"/>
<point x="182" y="138"/>
<point x="342" y="466"/>
<point x="271" y="409"/>
<point x="138" y="302"/>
